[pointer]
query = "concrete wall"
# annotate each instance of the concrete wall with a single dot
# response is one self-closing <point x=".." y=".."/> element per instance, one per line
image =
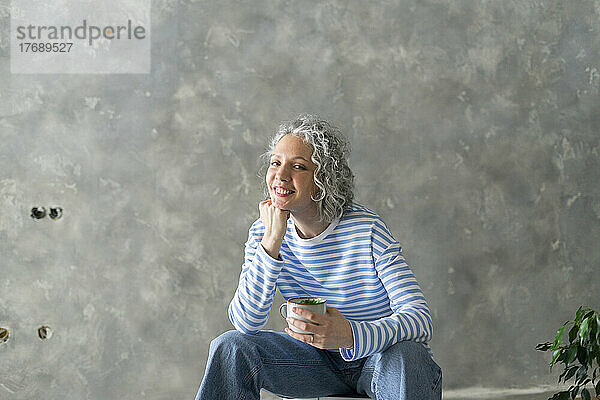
<point x="474" y="126"/>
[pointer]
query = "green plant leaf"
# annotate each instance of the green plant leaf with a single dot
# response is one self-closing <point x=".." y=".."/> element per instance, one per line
<point x="572" y="354"/>
<point x="561" y="375"/>
<point x="592" y="342"/>
<point x="555" y="355"/>
<point x="563" y="356"/>
<point x="543" y="346"/>
<point x="571" y="372"/>
<point x="582" y="355"/>
<point x="573" y="333"/>
<point x="578" y="315"/>
<point x="584" y="330"/>
<point x="559" y="335"/>
<point x="585" y="394"/>
<point x="560" y="396"/>
<point x="591" y="336"/>
<point x="581" y="374"/>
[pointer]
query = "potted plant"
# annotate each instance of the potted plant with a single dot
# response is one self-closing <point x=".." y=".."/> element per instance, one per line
<point x="580" y="354"/>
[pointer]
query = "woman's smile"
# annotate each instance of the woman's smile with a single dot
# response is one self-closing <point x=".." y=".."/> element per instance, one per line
<point x="283" y="192"/>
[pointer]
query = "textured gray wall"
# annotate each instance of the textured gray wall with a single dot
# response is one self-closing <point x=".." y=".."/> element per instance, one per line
<point x="475" y="133"/>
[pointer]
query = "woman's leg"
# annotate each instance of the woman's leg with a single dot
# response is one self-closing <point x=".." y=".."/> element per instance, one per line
<point x="239" y="365"/>
<point x="405" y="371"/>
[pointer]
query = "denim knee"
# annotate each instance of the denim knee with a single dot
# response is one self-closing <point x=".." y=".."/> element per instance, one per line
<point x="406" y="353"/>
<point x="405" y="370"/>
<point x="228" y="343"/>
<point x="232" y="368"/>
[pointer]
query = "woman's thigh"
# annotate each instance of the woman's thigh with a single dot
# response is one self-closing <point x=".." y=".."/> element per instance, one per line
<point x="292" y="368"/>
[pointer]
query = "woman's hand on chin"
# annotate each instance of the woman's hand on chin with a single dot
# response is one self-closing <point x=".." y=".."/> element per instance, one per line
<point x="275" y="222"/>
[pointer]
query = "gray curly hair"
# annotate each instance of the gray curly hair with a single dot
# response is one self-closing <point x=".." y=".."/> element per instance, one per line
<point x="330" y="151"/>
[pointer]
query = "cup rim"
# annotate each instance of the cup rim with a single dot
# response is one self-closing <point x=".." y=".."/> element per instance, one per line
<point x="296" y="300"/>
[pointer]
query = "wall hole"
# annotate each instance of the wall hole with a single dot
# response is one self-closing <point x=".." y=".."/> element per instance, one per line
<point x="38" y="212"/>
<point x="56" y="212"/>
<point x="4" y="335"/>
<point x="45" y="332"/>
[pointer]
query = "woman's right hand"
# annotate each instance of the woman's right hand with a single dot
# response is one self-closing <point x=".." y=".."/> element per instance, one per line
<point x="275" y="221"/>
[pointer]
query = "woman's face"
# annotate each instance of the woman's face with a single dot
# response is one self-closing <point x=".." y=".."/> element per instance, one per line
<point x="290" y="177"/>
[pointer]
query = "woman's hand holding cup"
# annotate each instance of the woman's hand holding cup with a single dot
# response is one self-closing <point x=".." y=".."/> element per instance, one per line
<point x="310" y="320"/>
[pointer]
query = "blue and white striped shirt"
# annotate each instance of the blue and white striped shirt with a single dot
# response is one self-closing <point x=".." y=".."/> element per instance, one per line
<point x="355" y="264"/>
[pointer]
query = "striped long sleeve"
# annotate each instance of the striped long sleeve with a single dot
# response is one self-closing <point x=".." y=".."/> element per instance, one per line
<point x="253" y="298"/>
<point x="410" y="318"/>
<point x="355" y="264"/>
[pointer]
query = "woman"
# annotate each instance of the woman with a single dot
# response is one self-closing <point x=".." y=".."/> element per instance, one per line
<point x="312" y="240"/>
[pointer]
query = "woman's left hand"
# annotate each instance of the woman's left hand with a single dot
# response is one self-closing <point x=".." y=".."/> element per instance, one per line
<point x="328" y="331"/>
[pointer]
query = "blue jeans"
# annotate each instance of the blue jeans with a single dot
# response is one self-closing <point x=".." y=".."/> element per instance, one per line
<point x="240" y="365"/>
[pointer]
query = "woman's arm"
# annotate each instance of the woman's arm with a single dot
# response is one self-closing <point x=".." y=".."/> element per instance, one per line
<point x="253" y="298"/>
<point x="252" y="301"/>
<point x="411" y="319"/>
